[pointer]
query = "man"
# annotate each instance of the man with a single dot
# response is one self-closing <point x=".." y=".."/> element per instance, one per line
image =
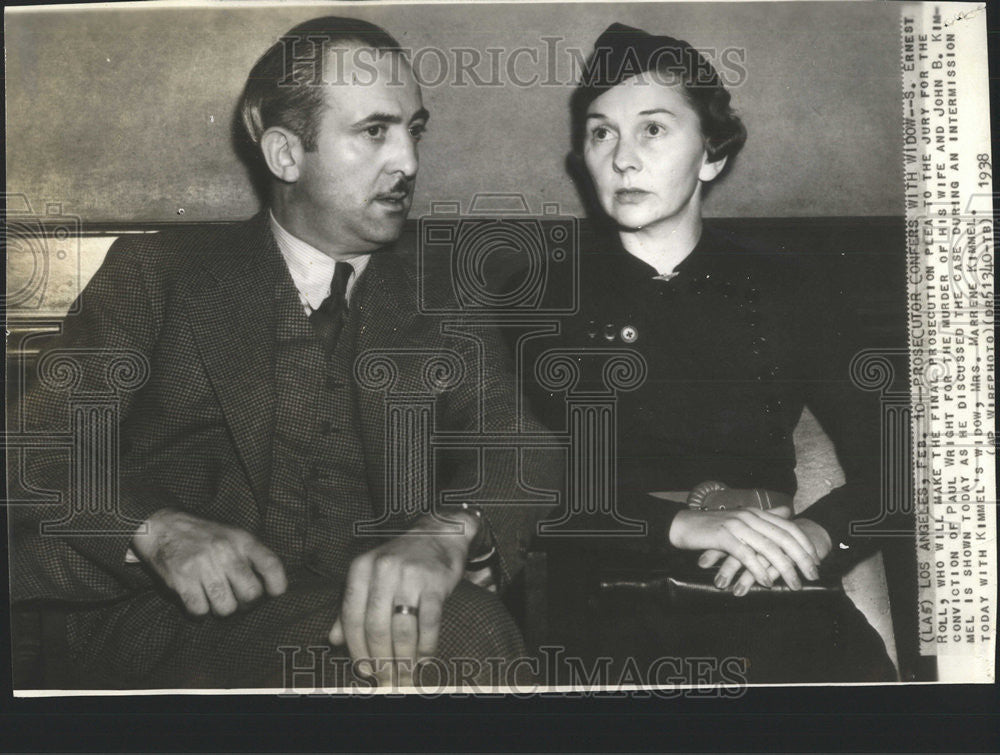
<point x="254" y="455"/>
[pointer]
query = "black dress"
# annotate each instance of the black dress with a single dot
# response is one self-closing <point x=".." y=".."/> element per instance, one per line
<point x="735" y="344"/>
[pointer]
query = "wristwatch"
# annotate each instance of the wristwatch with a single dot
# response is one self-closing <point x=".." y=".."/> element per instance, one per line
<point x="482" y="549"/>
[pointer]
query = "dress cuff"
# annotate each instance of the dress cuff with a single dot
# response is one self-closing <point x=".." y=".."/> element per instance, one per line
<point x="657" y="513"/>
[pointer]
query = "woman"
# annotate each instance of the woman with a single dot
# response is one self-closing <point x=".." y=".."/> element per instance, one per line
<point x="735" y="345"/>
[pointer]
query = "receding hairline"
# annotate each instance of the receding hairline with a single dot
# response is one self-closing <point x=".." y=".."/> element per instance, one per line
<point x="294" y="57"/>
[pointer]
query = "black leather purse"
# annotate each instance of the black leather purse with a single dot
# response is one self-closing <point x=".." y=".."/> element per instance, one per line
<point x="686" y="587"/>
<point x="684" y="584"/>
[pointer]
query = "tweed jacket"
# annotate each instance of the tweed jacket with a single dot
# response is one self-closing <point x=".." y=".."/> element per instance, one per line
<point x="196" y="309"/>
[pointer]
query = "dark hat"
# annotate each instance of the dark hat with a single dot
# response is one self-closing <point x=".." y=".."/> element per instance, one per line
<point x="622" y="52"/>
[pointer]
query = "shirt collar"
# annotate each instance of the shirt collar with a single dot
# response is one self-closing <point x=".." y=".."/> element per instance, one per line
<point x="311" y="269"/>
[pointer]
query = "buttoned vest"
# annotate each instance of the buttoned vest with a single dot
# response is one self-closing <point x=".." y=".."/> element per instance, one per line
<point x="319" y="489"/>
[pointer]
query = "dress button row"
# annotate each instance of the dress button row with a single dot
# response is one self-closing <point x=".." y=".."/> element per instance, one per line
<point x="610" y="331"/>
<point x="772" y="406"/>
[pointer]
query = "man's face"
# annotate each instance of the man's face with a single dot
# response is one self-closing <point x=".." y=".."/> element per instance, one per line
<point x="354" y="190"/>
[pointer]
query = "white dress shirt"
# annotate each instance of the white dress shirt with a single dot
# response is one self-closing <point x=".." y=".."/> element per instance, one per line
<point x="311" y="269"/>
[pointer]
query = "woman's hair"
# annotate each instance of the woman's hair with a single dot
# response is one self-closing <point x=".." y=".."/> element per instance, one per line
<point x="622" y="52"/>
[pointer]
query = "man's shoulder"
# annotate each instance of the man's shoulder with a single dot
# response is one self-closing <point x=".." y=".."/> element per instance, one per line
<point x="162" y="256"/>
<point x="187" y="242"/>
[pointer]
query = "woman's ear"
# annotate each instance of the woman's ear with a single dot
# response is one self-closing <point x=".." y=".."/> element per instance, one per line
<point x="710" y="170"/>
<point x="283" y="153"/>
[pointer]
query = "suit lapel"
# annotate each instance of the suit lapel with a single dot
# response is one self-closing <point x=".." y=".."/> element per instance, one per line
<point x="386" y="302"/>
<point x="232" y="314"/>
<point x="386" y="311"/>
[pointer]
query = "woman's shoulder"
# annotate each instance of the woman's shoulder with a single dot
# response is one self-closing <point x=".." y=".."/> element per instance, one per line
<point x="789" y="277"/>
<point x="727" y="258"/>
<point x="747" y="254"/>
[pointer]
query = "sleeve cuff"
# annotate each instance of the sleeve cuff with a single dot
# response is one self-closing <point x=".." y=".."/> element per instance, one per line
<point x="835" y="514"/>
<point x="106" y="537"/>
<point x="658" y="514"/>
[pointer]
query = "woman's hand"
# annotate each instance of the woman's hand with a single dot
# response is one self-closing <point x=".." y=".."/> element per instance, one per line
<point x="817" y="537"/>
<point x="759" y="541"/>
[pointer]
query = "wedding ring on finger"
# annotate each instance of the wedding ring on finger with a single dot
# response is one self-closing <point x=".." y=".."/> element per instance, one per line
<point x="405" y="610"/>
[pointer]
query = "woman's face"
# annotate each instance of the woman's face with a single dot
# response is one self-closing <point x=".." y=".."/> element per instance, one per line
<point x="644" y="149"/>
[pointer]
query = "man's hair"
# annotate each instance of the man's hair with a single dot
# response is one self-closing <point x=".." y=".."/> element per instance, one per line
<point x="284" y="87"/>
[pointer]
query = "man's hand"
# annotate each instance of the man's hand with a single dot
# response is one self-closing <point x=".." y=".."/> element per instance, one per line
<point x="759" y="541"/>
<point x="211" y="566"/>
<point x="418" y="570"/>
<point x="806" y="531"/>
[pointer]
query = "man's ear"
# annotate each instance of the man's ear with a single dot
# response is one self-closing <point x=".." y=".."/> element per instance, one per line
<point x="283" y="153"/>
<point x="709" y="171"/>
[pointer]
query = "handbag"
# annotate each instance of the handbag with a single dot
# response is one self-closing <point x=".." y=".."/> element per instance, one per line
<point x="684" y="584"/>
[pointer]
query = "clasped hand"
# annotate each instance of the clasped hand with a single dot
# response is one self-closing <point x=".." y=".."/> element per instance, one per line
<point x="419" y="571"/>
<point x="765" y="545"/>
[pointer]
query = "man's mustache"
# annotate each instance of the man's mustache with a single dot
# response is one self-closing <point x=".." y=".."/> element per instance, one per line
<point x="399" y="191"/>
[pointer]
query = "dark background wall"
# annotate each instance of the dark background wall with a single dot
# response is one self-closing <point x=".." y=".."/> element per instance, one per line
<point x="124" y="114"/>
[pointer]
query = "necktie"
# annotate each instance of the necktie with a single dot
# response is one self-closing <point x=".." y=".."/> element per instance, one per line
<point x="328" y="318"/>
